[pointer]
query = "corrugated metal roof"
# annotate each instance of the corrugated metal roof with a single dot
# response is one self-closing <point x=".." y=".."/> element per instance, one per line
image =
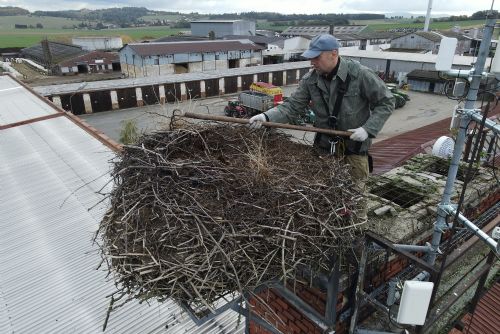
<point x="91" y="57"/>
<point x="51" y="172"/>
<point x="18" y="104"/>
<point x="257" y="39"/>
<point x="218" y="21"/>
<point x="432" y="36"/>
<point x="58" y="51"/>
<point x="394" y="151"/>
<point x="171" y="78"/>
<point x="163" y="48"/>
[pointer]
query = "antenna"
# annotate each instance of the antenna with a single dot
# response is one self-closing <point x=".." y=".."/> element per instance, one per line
<point x="428" y="16"/>
<point x="446" y="53"/>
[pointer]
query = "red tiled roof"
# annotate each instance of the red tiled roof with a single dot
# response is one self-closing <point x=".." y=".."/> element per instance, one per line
<point x="148" y="49"/>
<point x="486" y="316"/>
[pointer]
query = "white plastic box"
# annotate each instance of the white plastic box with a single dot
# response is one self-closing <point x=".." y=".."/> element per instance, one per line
<point x="415" y="302"/>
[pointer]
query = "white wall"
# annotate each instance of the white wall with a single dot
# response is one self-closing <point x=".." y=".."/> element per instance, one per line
<point x="98" y="43"/>
<point x="296" y="43"/>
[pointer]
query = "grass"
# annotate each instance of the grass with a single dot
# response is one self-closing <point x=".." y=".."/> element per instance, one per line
<point x="8" y="22"/>
<point x="29" y="37"/>
<point x="266" y="25"/>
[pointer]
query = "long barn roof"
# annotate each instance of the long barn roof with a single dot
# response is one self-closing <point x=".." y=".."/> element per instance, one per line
<point x="162" y="48"/>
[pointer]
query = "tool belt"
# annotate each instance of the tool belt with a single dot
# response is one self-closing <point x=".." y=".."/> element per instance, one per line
<point x="338" y="147"/>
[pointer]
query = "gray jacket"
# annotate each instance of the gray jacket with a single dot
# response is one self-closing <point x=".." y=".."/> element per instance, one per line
<point x="367" y="102"/>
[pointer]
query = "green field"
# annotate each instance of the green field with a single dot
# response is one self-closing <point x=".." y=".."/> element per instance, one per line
<point x="266" y="25"/>
<point x="8" y="22"/>
<point x="28" y="37"/>
<point x="53" y="29"/>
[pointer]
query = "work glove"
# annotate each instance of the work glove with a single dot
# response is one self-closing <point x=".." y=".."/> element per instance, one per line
<point x="256" y="121"/>
<point x="358" y="134"/>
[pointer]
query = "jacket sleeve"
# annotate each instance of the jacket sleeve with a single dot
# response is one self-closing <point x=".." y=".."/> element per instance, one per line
<point x="380" y="99"/>
<point x="294" y="108"/>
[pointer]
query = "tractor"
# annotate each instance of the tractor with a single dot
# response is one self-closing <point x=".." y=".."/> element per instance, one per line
<point x="235" y="109"/>
<point x="400" y="96"/>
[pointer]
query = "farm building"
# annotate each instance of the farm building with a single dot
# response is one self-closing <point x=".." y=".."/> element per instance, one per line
<point x="91" y="43"/>
<point x="93" y="62"/>
<point x="278" y="49"/>
<point x="153" y="59"/>
<point x="348" y="36"/>
<point x="289" y="49"/>
<point x="311" y="31"/>
<point x="425" y="81"/>
<point x="223" y="27"/>
<point x="48" y="53"/>
<point x="429" y="42"/>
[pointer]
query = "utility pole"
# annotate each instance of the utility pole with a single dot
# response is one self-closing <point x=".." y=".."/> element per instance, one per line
<point x="428" y="16"/>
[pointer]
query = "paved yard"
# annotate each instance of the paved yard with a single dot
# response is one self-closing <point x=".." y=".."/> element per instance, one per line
<point x="423" y="109"/>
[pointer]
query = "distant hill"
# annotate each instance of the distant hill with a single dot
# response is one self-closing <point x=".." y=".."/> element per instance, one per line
<point x="11" y="11"/>
<point x="408" y="15"/>
<point x="119" y="16"/>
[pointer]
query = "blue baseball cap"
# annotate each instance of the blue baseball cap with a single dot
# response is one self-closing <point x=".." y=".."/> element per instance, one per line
<point x="320" y="43"/>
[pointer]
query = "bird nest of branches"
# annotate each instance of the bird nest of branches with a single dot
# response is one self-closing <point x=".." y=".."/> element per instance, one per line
<point x="209" y="209"/>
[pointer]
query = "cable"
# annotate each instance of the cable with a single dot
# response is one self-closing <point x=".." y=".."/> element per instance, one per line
<point x="493" y="156"/>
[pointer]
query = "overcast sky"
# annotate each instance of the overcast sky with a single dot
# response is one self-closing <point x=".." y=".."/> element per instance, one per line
<point x="453" y="7"/>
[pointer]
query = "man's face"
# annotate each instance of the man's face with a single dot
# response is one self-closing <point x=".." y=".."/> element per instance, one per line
<point x="325" y="62"/>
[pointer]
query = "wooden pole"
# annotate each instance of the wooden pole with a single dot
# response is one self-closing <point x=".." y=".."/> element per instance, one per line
<point x="268" y="124"/>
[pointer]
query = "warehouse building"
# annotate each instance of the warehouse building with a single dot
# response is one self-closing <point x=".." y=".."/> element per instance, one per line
<point x="93" y="62"/>
<point x="92" y="43"/>
<point x="429" y="42"/>
<point x="154" y="59"/>
<point x="221" y="28"/>
<point x="48" y="53"/>
<point x="310" y="31"/>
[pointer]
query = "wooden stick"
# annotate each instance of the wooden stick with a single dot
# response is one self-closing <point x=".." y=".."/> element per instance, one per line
<point x="268" y="124"/>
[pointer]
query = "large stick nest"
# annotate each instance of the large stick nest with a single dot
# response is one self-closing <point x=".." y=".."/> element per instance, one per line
<point x="202" y="211"/>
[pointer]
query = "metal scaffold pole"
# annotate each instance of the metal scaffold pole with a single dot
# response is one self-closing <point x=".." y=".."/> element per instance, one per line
<point x="441" y="225"/>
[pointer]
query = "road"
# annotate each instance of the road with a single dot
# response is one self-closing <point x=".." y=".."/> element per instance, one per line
<point x="422" y="109"/>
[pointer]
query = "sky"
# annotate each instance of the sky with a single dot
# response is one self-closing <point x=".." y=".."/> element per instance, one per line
<point x="451" y="7"/>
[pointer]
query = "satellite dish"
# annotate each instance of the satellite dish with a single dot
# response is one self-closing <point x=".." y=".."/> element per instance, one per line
<point x="443" y="147"/>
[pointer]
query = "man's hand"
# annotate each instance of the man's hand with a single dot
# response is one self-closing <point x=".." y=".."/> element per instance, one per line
<point x="256" y="121"/>
<point x="358" y="134"/>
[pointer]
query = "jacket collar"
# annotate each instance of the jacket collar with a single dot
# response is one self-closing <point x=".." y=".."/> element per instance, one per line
<point x="341" y="72"/>
<point x="343" y="69"/>
<point x="323" y="84"/>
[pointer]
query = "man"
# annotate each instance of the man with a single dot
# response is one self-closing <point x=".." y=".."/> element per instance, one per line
<point x="364" y="106"/>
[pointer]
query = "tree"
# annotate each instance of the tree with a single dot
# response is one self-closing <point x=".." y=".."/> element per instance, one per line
<point x="39" y="26"/>
<point x="211" y="35"/>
